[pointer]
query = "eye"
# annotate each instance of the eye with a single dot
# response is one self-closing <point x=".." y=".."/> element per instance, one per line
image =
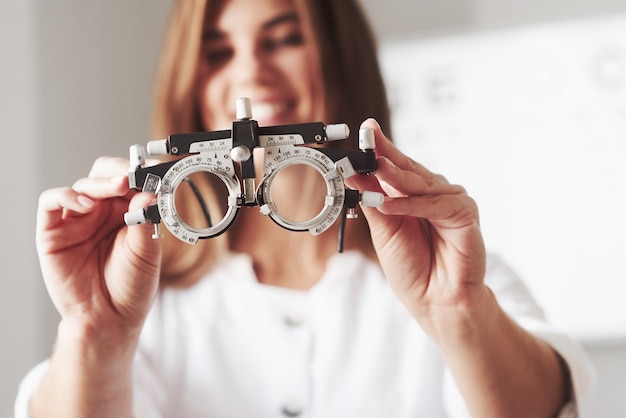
<point x="289" y="40"/>
<point x="293" y="39"/>
<point x="217" y="56"/>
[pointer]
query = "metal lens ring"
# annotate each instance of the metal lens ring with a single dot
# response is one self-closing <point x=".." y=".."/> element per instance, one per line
<point x="205" y="162"/>
<point x="289" y="155"/>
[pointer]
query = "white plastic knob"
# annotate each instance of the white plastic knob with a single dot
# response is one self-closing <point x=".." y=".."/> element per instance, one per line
<point x="244" y="109"/>
<point x="366" y="139"/>
<point x="240" y="154"/>
<point x="337" y="131"/>
<point x="372" y="199"/>
<point x="135" y="217"/>
<point x="137" y="155"/>
<point x="158" y="147"/>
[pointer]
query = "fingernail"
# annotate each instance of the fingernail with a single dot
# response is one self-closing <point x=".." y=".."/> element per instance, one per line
<point x="373" y="120"/>
<point x="84" y="201"/>
<point x="389" y="162"/>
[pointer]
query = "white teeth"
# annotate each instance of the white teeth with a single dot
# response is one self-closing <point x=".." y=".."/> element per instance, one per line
<point x="267" y="110"/>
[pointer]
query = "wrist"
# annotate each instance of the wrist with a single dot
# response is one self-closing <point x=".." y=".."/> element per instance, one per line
<point x="500" y="368"/>
<point x="90" y="374"/>
<point x="90" y="343"/>
<point x="463" y="320"/>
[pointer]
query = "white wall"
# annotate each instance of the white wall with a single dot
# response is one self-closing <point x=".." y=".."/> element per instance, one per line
<point x="21" y="293"/>
<point x="96" y="62"/>
<point x="399" y="19"/>
<point x="609" y="358"/>
<point x="75" y="83"/>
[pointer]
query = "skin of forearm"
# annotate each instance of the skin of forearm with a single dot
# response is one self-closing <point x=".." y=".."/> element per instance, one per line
<point x="500" y="369"/>
<point x="90" y="375"/>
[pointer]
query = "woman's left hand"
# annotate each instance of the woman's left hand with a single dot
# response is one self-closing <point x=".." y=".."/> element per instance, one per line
<point x="426" y="234"/>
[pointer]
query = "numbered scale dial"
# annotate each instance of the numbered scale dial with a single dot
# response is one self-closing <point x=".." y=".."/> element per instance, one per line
<point x="279" y="158"/>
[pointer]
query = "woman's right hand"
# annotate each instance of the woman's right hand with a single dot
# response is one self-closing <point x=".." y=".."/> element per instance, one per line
<point x="101" y="274"/>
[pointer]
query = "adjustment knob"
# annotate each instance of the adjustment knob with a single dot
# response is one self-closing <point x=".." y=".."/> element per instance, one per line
<point x="244" y="109"/>
<point x="337" y="131"/>
<point x="158" y="147"/>
<point x="135" y="217"/>
<point x="137" y="155"/>
<point x="372" y="199"/>
<point x="366" y="139"/>
<point x="240" y="154"/>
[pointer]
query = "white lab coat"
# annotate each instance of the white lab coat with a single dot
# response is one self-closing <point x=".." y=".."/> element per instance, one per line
<point x="229" y="347"/>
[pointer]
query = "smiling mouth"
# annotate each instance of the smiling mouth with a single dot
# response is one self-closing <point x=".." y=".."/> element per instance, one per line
<point x="268" y="111"/>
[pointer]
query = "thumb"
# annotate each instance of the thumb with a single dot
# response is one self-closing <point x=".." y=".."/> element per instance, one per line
<point x="140" y="236"/>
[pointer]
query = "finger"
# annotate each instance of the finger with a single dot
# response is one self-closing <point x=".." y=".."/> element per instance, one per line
<point x="109" y="167"/>
<point x="56" y="200"/>
<point x="450" y="211"/>
<point x="439" y="203"/>
<point x="140" y="236"/>
<point x="371" y="183"/>
<point x="413" y="183"/>
<point x="364" y="182"/>
<point x="54" y="203"/>
<point x="395" y="182"/>
<point x="102" y="187"/>
<point x="385" y="148"/>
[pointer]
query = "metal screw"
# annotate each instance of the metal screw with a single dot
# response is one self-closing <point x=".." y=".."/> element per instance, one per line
<point x="157" y="232"/>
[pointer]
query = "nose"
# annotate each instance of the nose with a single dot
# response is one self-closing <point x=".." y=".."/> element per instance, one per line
<point x="252" y="66"/>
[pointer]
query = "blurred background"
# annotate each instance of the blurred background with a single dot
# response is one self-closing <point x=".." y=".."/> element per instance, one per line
<point x="522" y="102"/>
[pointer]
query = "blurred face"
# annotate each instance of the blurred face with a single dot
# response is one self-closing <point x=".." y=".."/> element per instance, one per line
<point x="256" y="49"/>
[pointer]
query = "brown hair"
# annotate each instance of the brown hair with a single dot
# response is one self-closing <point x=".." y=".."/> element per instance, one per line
<point x="352" y="89"/>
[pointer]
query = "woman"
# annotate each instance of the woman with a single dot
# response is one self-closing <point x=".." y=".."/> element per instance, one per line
<point x="263" y="321"/>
